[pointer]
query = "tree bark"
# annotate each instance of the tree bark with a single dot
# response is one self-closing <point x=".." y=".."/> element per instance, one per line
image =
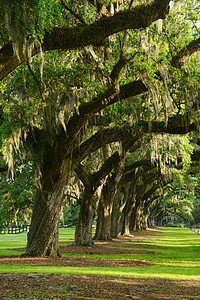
<point x="116" y="214"/>
<point x="179" y="59"/>
<point x="93" y="34"/>
<point x="146" y="214"/>
<point x="83" y="233"/>
<point x="134" y="216"/>
<point x="52" y="179"/>
<point x="43" y="233"/>
<point x="91" y="182"/>
<point x="103" y="230"/>
<point x="130" y="203"/>
<point x="104" y="220"/>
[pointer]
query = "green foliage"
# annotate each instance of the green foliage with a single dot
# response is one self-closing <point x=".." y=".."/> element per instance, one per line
<point x="29" y="19"/>
<point x="177" y="202"/>
<point x="16" y="197"/>
<point x="70" y="215"/>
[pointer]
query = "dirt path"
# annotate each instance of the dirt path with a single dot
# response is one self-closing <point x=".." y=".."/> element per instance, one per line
<point x="52" y="286"/>
<point x="21" y="286"/>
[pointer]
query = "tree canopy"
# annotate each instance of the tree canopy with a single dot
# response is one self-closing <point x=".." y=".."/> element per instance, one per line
<point x="103" y="89"/>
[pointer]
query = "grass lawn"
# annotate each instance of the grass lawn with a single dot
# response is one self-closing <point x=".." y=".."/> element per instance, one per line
<point x="179" y="259"/>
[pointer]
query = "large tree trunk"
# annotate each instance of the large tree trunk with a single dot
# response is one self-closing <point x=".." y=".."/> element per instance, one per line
<point x="83" y="233"/>
<point x="117" y="213"/>
<point x="135" y="216"/>
<point x="104" y="220"/>
<point x="138" y="219"/>
<point x="127" y="211"/>
<point x="100" y="214"/>
<point x="103" y="230"/>
<point x="43" y="233"/>
<point x="105" y="206"/>
<point x="116" y="216"/>
<point x="145" y="223"/>
<point x="126" y="218"/>
<point x="126" y="225"/>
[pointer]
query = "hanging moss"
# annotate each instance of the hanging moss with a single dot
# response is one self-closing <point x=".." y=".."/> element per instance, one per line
<point x="26" y="22"/>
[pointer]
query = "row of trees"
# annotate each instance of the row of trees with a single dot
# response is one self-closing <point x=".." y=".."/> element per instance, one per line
<point x="106" y="109"/>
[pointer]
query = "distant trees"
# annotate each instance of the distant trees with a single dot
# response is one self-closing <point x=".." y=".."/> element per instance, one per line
<point x="16" y="197"/>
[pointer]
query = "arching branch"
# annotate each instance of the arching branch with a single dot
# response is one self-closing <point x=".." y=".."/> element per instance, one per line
<point x="179" y="59"/>
<point x="110" y="135"/>
<point x="140" y="16"/>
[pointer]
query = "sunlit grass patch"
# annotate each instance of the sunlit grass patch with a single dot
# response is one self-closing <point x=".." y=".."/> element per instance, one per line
<point x="10" y="241"/>
<point x="179" y="257"/>
<point x="140" y="272"/>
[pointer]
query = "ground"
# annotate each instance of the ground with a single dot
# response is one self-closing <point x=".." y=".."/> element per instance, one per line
<point x="52" y="286"/>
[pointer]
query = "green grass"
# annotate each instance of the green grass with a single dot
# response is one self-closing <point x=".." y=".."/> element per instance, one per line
<point x="180" y="259"/>
<point x="9" y="241"/>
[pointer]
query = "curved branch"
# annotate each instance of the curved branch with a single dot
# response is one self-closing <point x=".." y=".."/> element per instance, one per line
<point x="83" y="175"/>
<point x="140" y="16"/>
<point x="141" y="190"/>
<point x="110" y="135"/>
<point x="107" y="167"/>
<point x="192" y="48"/>
<point x="110" y="96"/>
<point x="117" y="68"/>
<point x="150" y="192"/>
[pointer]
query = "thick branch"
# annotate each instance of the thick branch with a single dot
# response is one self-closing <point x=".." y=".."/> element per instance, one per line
<point x="110" y="135"/>
<point x="107" y="167"/>
<point x="110" y="96"/>
<point x="141" y="16"/>
<point x="142" y="189"/>
<point x="176" y="125"/>
<point x="150" y="192"/>
<point x="137" y="164"/>
<point x="128" y="176"/>
<point x="83" y="175"/>
<point x="112" y="162"/>
<point x="117" y="68"/>
<point x="100" y="139"/>
<point x="179" y="59"/>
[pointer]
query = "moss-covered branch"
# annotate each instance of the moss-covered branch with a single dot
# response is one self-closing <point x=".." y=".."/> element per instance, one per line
<point x="140" y="16"/>
<point x="179" y="59"/>
<point x="111" y="135"/>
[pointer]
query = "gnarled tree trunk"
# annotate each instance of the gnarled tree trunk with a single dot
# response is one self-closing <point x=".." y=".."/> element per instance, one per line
<point x="83" y="233"/>
<point x="145" y="223"/>
<point x="103" y="230"/>
<point x="116" y="216"/>
<point x="135" y="216"/>
<point x="43" y="233"/>
<point x="103" y="221"/>
<point x="127" y="211"/>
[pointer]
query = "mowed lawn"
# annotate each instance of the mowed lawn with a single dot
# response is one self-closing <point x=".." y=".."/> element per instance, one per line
<point x="177" y="258"/>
